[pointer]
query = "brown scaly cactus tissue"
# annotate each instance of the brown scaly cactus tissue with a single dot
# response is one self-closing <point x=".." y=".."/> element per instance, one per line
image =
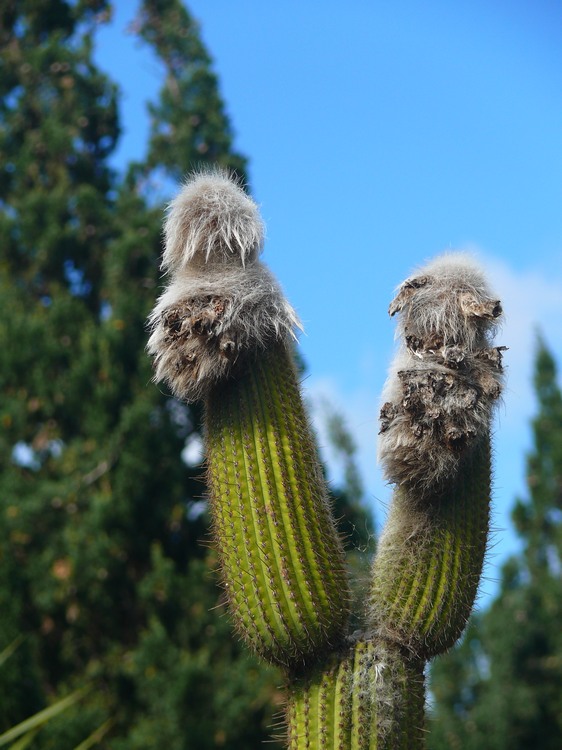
<point x="445" y="378"/>
<point x="201" y="328"/>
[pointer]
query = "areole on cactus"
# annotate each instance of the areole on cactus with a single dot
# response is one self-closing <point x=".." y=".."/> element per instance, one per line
<point x="223" y="333"/>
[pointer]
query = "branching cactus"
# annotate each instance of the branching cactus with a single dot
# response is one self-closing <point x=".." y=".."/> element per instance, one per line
<point x="223" y="333"/>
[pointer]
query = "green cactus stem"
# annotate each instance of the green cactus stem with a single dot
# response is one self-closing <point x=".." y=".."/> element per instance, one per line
<point x="222" y="333"/>
<point x="282" y="562"/>
<point x="369" y="698"/>
<point x="429" y="559"/>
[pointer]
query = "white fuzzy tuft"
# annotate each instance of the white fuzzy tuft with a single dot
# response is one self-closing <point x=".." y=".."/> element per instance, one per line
<point x="446" y="377"/>
<point x="222" y="304"/>
<point x="381" y="678"/>
<point x="211" y="220"/>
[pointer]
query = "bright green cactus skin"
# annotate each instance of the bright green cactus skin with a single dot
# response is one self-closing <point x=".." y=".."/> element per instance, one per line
<point x="284" y="572"/>
<point x="221" y="332"/>
<point x="282" y="562"/>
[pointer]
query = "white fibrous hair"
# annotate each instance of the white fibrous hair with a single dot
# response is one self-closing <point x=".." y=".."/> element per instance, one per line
<point x="211" y="220"/>
<point x="222" y="304"/>
<point x="445" y="378"/>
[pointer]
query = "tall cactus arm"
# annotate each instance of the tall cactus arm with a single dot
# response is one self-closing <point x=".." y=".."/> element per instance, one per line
<point x="434" y="444"/>
<point x="222" y="332"/>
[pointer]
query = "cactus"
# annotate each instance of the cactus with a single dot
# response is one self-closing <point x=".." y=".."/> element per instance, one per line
<point x="223" y="333"/>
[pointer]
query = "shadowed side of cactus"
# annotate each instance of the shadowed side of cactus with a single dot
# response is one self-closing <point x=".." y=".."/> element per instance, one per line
<point x="222" y="332"/>
<point x="281" y="558"/>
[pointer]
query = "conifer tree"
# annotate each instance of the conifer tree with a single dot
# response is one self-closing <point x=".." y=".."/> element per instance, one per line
<point x="501" y="688"/>
<point x="102" y="569"/>
<point x="100" y="560"/>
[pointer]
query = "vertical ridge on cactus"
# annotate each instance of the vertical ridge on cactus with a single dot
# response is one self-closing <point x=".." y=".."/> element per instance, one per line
<point x="268" y="495"/>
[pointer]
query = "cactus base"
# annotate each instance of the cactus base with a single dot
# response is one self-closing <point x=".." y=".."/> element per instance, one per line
<point x="368" y="698"/>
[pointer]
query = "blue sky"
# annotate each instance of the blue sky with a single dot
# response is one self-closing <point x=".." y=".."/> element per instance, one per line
<point x="379" y="135"/>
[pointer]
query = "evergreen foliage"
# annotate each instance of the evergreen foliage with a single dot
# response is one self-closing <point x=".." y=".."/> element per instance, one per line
<point x="501" y="687"/>
<point x="101" y="563"/>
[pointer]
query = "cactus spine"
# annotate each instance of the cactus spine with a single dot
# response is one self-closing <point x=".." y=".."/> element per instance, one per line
<point x="222" y="333"/>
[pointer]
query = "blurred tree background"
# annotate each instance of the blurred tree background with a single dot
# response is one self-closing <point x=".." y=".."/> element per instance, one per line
<point x="105" y="566"/>
<point x="502" y="686"/>
<point x="107" y="579"/>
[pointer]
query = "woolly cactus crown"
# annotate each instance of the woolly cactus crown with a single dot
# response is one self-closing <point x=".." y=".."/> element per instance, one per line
<point x="446" y="377"/>
<point x="221" y="305"/>
<point x="212" y="220"/>
<point x="449" y="298"/>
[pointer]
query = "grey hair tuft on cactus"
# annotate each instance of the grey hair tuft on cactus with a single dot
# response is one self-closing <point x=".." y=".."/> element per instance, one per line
<point x="221" y="304"/>
<point x="446" y="377"/>
<point x="211" y="220"/>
